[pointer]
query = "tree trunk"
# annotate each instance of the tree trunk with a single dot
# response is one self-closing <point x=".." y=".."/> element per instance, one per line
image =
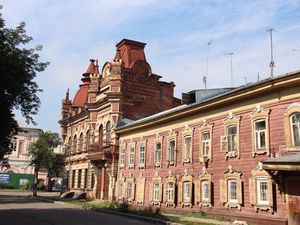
<point x="49" y="183"/>
<point x="34" y="188"/>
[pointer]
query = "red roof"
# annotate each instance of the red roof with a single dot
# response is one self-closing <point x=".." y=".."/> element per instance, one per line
<point x="81" y="96"/>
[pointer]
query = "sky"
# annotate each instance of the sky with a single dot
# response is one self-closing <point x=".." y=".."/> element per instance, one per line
<point x="177" y="33"/>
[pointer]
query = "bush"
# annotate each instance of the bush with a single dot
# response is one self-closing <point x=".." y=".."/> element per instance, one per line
<point x="41" y="186"/>
<point x="6" y="186"/>
<point x="26" y="186"/>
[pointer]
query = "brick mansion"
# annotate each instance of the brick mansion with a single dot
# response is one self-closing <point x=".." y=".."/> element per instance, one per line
<point x="231" y="152"/>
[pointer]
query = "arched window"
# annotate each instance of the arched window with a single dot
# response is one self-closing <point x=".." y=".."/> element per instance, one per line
<point x="75" y="144"/>
<point x="295" y="125"/>
<point x="69" y="147"/>
<point x="87" y="140"/>
<point x="100" y="137"/>
<point x="108" y="135"/>
<point x="80" y="147"/>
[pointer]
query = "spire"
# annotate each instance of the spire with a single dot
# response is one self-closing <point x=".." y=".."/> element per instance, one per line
<point x="91" y="68"/>
<point x="96" y="72"/>
<point x="67" y="95"/>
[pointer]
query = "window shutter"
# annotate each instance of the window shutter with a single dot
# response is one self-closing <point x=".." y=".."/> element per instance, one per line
<point x="133" y="190"/>
<point x="160" y="192"/>
<point x="151" y="191"/>
<point x="197" y="192"/>
<point x="239" y="191"/>
<point x="179" y="192"/>
<point x="141" y="190"/>
<point x="210" y="191"/>
<point x="252" y="191"/>
<point x="270" y="192"/>
<point x="223" y="190"/>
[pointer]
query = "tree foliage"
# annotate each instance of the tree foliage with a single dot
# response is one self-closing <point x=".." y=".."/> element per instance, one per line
<point x="42" y="155"/>
<point x="18" y="90"/>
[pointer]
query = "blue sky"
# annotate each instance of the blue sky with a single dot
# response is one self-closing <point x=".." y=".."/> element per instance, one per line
<point x="176" y="33"/>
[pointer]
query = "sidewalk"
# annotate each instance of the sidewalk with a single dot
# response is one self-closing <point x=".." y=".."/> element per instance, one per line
<point x="199" y="220"/>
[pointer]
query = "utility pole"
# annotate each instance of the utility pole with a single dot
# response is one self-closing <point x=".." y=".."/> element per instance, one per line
<point x="231" y="68"/>
<point x="272" y="63"/>
<point x="206" y="73"/>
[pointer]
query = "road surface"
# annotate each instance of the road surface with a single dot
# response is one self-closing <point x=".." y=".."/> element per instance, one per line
<point x="17" y="209"/>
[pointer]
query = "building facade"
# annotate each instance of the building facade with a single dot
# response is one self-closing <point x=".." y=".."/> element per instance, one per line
<point x="233" y="153"/>
<point x="124" y="89"/>
<point x="19" y="159"/>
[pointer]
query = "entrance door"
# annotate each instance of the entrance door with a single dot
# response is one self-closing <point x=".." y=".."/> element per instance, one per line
<point x="293" y="200"/>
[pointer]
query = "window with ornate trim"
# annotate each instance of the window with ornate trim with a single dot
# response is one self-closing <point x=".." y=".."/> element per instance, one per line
<point x="80" y="147"/>
<point x="120" y="187"/>
<point x="131" y="155"/>
<point x="187" y="147"/>
<point x="142" y="156"/>
<point x="171" y="154"/>
<point x="260" y="130"/>
<point x="231" y="189"/>
<point x="205" y="142"/>
<point x="170" y="190"/>
<point x="203" y="189"/>
<point x="185" y="188"/>
<point x="292" y="127"/>
<point x="122" y="155"/>
<point x="157" y="150"/>
<point x="75" y="144"/>
<point x="261" y="189"/>
<point x="156" y="190"/>
<point x="108" y="133"/>
<point x="141" y="180"/>
<point x="230" y="142"/>
<point x="130" y="188"/>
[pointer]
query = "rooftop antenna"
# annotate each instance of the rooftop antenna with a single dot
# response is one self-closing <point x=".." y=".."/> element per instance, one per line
<point x="206" y="73"/>
<point x="258" y="77"/>
<point x="272" y="63"/>
<point x="231" y="69"/>
<point x="245" y="78"/>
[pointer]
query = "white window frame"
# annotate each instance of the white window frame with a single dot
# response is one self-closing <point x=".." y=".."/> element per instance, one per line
<point x="170" y="190"/>
<point x="232" y="139"/>
<point x="171" y="152"/>
<point x="157" y="153"/>
<point x="186" y="191"/>
<point x="205" y="191"/>
<point x="142" y="155"/>
<point x="187" y="152"/>
<point x="205" y="144"/>
<point x="156" y="193"/>
<point x="230" y="199"/>
<point x="131" y="156"/>
<point x="129" y="191"/>
<point x="122" y="156"/>
<point x="120" y="191"/>
<point x="259" y="181"/>
<point x="292" y="128"/>
<point x="257" y="135"/>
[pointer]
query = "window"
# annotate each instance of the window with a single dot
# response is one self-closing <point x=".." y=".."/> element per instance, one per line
<point x="129" y="190"/>
<point x="80" y="148"/>
<point x="156" y="192"/>
<point x="171" y="153"/>
<point x="260" y="134"/>
<point x="120" y="191"/>
<point x="131" y="156"/>
<point x="70" y="145"/>
<point x="231" y="138"/>
<point x="79" y="179"/>
<point x="295" y="124"/>
<point x="205" y="197"/>
<point x="93" y="180"/>
<point x="85" y="177"/>
<point x="262" y="191"/>
<point x="21" y="147"/>
<point x="108" y="133"/>
<point x="142" y="155"/>
<point x="73" y="178"/>
<point x="187" y="148"/>
<point x="186" y="191"/>
<point x="157" y="153"/>
<point x="87" y="140"/>
<point x="75" y="143"/>
<point x="100" y="137"/>
<point x="122" y="156"/>
<point x="170" y="192"/>
<point x="232" y="191"/>
<point x="205" y="139"/>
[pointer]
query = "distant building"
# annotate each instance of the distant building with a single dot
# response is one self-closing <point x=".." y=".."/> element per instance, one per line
<point x="230" y="152"/>
<point x="19" y="159"/>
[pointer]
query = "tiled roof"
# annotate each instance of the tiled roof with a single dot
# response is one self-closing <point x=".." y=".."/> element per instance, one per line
<point x="81" y="96"/>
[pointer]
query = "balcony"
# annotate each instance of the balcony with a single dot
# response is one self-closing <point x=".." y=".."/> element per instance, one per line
<point x="99" y="152"/>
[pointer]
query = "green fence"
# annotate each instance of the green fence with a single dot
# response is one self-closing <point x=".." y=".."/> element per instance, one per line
<point x="16" y="180"/>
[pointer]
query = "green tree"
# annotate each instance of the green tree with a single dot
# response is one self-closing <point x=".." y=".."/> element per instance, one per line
<point x="42" y="155"/>
<point x="18" y="90"/>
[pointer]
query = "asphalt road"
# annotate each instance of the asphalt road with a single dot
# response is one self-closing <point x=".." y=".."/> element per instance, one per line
<point x="17" y="209"/>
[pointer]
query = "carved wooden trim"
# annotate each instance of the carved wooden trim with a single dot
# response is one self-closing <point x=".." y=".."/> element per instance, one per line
<point x="140" y="194"/>
<point x="142" y="143"/>
<point x="205" y="175"/>
<point x="130" y="179"/>
<point x="187" y="177"/>
<point x="205" y="128"/>
<point x="293" y="108"/>
<point x="172" y="136"/>
<point x="156" y="180"/>
<point x="158" y="140"/>
<point x="132" y="144"/>
<point x="170" y="179"/>
<point x="188" y="132"/>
